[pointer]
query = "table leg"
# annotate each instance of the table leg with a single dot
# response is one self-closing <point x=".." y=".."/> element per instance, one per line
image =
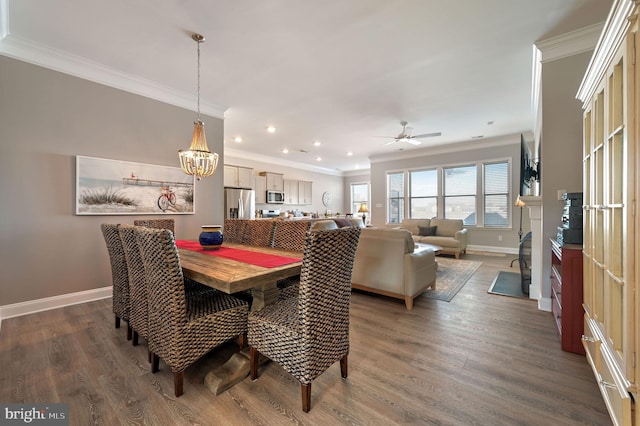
<point x="238" y="367"/>
<point x="264" y="295"/>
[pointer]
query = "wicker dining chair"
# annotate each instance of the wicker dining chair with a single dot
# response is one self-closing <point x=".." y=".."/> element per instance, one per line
<point x="139" y="316"/>
<point x="139" y="312"/>
<point x="290" y="235"/>
<point x="309" y="333"/>
<point x="119" y="275"/>
<point x="169" y="224"/>
<point x="233" y="230"/>
<point x="182" y="327"/>
<point x="259" y="232"/>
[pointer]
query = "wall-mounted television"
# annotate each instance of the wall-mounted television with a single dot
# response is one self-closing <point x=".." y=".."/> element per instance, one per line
<point x="529" y="168"/>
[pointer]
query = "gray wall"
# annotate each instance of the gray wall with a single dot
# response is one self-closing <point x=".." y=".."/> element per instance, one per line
<point x="46" y="119"/>
<point x="561" y="146"/>
<point x="506" y="148"/>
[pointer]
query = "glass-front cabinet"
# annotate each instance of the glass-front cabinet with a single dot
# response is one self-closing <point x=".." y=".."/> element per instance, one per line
<point x="609" y="92"/>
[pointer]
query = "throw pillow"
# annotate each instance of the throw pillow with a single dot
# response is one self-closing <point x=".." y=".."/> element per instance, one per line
<point x="427" y="231"/>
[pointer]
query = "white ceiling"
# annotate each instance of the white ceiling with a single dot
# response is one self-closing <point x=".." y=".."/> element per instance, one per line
<point x="340" y="72"/>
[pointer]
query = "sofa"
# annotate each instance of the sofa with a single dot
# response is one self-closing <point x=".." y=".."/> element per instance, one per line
<point x="450" y="234"/>
<point x="387" y="263"/>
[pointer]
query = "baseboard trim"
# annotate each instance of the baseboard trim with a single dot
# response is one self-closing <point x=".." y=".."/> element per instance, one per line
<point x="54" y="302"/>
<point x="544" y="304"/>
<point x="493" y="249"/>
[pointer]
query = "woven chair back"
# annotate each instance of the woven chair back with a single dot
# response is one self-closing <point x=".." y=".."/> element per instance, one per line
<point x="169" y="224"/>
<point x="137" y="281"/>
<point x="259" y="232"/>
<point x="325" y="288"/>
<point x="233" y="231"/>
<point x="165" y="283"/>
<point x="119" y="271"/>
<point x="291" y="235"/>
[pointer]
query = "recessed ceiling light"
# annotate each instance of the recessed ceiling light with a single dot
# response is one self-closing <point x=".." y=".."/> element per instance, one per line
<point x="316" y="143"/>
<point x="237" y="139"/>
<point x="285" y="151"/>
<point x="349" y="153"/>
<point x="318" y="159"/>
<point x="271" y="129"/>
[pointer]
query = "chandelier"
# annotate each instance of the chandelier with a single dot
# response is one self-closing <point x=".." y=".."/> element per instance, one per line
<point x="198" y="160"/>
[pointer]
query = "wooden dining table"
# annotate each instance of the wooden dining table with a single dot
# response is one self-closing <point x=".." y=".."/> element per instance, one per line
<point x="233" y="276"/>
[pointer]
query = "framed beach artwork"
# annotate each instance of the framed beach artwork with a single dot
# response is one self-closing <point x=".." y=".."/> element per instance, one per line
<point x="112" y="187"/>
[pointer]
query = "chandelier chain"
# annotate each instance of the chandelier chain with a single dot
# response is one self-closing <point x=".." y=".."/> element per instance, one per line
<point x="198" y="80"/>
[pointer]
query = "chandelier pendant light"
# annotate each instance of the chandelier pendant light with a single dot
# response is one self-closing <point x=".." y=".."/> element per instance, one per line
<point x="198" y="160"/>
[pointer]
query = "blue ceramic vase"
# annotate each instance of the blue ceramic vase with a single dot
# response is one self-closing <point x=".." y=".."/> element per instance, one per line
<point x="211" y="237"/>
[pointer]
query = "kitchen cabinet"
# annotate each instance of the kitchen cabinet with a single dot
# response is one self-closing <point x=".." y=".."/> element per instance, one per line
<point x="275" y="181"/>
<point x="260" y="187"/>
<point x="304" y="193"/>
<point x="238" y="177"/>
<point x="291" y="191"/>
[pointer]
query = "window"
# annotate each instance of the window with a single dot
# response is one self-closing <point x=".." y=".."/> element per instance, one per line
<point x="460" y="187"/>
<point x="423" y="189"/>
<point x="359" y="195"/>
<point x="395" y="197"/>
<point x="496" y="194"/>
<point x="479" y="194"/>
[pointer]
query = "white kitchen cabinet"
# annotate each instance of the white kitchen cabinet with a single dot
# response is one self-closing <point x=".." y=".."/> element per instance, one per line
<point x="304" y="193"/>
<point x="260" y="187"/>
<point x="238" y="177"/>
<point x="275" y="181"/>
<point x="290" y="191"/>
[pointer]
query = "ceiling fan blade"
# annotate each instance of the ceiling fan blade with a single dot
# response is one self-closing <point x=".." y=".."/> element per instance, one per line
<point x="391" y="142"/>
<point x="413" y="142"/>
<point x="427" y="135"/>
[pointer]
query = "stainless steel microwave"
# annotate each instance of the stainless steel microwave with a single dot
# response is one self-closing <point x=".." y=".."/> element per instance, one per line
<point x="275" y="197"/>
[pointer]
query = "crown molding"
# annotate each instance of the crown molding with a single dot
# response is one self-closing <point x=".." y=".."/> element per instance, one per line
<point x="612" y="37"/>
<point x="236" y="153"/>
<point x="76" y="66"/>
<point x="447" y="149"/>
<point x="569" y="44"/>
<point x="4" y="19"/>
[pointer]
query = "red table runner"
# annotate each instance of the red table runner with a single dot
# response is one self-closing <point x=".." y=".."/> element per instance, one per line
<point x="247" y="256"/>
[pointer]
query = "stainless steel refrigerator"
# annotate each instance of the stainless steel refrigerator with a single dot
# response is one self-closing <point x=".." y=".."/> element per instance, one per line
<point x="239" y="203"/>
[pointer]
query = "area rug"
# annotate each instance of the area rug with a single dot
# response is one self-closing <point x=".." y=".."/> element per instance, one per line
<point x="507" y="284"/>
<point x="452" y="275"/>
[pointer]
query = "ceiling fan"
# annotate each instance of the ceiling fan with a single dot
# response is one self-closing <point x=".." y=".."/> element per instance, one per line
<point x="405" y="135"/>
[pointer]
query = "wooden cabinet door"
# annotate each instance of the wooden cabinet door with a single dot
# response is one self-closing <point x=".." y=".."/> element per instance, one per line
<point x="260" y="186"/>
<point x="304" y="193"/>
<point x="245" y="178"/>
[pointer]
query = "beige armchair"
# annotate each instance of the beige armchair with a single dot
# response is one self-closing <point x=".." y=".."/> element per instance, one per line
<point x="387" y="263"/>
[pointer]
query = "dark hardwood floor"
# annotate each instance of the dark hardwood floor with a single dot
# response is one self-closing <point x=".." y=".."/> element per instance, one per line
<point x="479" y="360"/>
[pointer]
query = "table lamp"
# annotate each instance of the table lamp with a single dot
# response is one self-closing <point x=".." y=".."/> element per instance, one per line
<point x="363" y="209"/>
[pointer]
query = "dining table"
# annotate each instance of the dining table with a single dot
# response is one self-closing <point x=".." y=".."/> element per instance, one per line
<point x="234" y="268"/>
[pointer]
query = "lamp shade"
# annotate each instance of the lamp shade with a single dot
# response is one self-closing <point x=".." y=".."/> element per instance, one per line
<point x="198" y="160"/>
<point x="363" y="208"/>
<point x="519" y="202"/>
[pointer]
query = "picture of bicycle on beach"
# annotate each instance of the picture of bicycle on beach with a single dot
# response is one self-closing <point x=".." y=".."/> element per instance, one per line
<point x="121" y="187"/>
